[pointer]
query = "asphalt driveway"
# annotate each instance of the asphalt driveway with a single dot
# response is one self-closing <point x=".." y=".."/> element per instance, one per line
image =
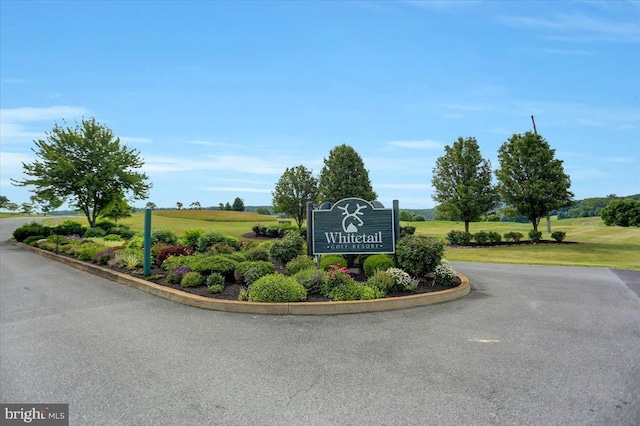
<point x="529" y="345"/>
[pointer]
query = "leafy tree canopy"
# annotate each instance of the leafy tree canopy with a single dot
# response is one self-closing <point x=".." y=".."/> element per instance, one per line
<point x="622" y="213"/>
<point x="344" y="175"/>
<point x="3" y="201"/>
<point x="118" y="209"/>
<point x="531" y="180"/>
<point x="462" y="182"/>
<point x="295" y="188"/>
<point x="238" y="205"/>
<point x="87" y="165"/>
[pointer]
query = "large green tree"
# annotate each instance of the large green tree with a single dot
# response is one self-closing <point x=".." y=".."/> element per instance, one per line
<point x="295" y="188"/>
<point x="624" y="212"/>
<point x="343" y="175"/>
<point x="530" y="179"/>
<point x="87" y="165"/>
<point x="238" y="205"/>
<point x="118" y="209"/>
<point x="462" y="182"/>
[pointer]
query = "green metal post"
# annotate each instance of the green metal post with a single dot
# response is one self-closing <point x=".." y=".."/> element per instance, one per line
<point x="147" y="242"/>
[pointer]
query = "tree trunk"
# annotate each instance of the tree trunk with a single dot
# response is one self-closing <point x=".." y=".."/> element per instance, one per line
<point x="466" y="226"/>
<point x="548" y="224"/>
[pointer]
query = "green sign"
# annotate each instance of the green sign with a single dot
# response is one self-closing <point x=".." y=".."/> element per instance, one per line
<point x="352" y="226"/>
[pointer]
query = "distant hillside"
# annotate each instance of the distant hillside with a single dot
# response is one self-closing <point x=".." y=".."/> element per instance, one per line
<point x="590" y="207"/>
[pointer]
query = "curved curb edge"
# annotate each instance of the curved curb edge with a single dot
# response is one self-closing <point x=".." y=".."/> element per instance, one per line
<point x="298" y="308"/>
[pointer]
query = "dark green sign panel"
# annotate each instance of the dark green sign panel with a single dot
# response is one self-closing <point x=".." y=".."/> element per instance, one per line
<point x="352" y="226"/>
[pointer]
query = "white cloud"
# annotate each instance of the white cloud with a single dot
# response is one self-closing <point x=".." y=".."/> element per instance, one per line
<point x="422" y="144"/>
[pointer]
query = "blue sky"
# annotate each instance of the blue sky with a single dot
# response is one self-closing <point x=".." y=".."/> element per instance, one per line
<point x="220" y="97"/>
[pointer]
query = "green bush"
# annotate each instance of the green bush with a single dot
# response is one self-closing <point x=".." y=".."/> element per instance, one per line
<point x="494" y="237"/>
<point x="87" y="251"/>
<point x="95" y="232"/>
<point x="192" y="279"/>
<point x="512" y="236"/>
<point x="216" y="288"/>
<point x="70" y="227"/>
<point x="444" y="274"/>
<point x="136" y="243"/>
<point x="277" y="288"/>
<point x="123" y="231"/>
<point x="375" y="262"/>
<point x="214" y="263"/>
<point x="407" y="230"/>
<point x="112" y="237"/>
<point x="299" y="263"/>
<point x="559" y="236"/>
<point x="334" y="277"/>
<point x="191" y="236"/>
<point x="257" y="253"/>
<point x="535" y="236"/>
<point x="354" y="291"/>
<point x="250" y="271"/>
<point x="105" y="224"/>
<point x="209" y="238"/>
<point x="459" y="238"/>
<point x="332" y="259"/>
<point x="381" y="280"/>
<point x="30" y="230"/>
<point x="173" y="262"/>
<point x="237" y="256"/>
<point x="164" y="235"/>
<point x="419" y="255"/>
<point x="310" y="279"/>
<point x="215" y="279"/>
<point x="33" y="239"/>
<point x="622" y="212"/>
<point x="285" y="249"/>
<point x="481" y="237"/>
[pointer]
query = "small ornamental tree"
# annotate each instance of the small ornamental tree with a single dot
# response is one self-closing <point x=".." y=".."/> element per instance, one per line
<point x="344" y="175"/>
<point x="462" y="182"/>
<point x="117" y="209"/>
<point x="531" y="180"/>
<point x="86" y="164"/>
<point x="293" y="191"/>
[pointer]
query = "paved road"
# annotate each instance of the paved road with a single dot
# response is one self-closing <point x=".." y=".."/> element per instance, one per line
<point x="529" y="345"/>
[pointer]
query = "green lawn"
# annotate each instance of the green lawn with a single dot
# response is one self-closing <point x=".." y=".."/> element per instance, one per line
<point x="589" y="241"/>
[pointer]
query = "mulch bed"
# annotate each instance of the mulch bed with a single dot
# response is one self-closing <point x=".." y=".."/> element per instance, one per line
<point x="232" y="290"/>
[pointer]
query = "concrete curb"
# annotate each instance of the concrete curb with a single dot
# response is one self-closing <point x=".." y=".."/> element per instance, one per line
<point x="298" y="308"/>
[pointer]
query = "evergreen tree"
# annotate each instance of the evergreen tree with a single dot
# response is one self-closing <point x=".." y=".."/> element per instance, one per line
<point x="343" y="176"/>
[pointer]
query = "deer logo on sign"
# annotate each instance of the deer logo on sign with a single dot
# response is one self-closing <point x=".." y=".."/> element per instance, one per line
<point x="351" y="221"/>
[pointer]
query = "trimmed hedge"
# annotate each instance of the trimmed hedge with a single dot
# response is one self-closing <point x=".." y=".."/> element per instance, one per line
<point x="277" y="288"/>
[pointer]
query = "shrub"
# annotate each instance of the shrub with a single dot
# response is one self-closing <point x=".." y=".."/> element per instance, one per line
<point x="237" y="256"/>
<point x="214" y="263"/>
<point x="221" y="248"/>
<point x="244" y="295"/>
<point x="419" y="255"/>
<point x="104" y="257"/>
<point x="401" y="279"/>
<point x="481" y="237"/>
<point x="215" y="279"/>
<point x="33" y="239"/>
<point x="95" y="232"/>
<point x="375" y="262"/>
<point x="334" y="277"/>
<point x="559" y="236"/>
<point x="494" y="237"/>
<point x="175" y="276"/>
<point x="112" y="237"/>
<point x="232" y="242"/>
<point x="216" y="288"/>
<point x="407" y="230"/>
<point x="123" y="231"/>
<point x="164" y="235"/>
<point x="287" y="248"/>
<point x="173" y="262"/>
<point x="277" y="288"/>
<point x="173" y="251"/>
<point x="192" y="279"/>
<point x="459" y="238"/>
<point x="105" y="224"/>
<point x="86" y="251"/>
<point x="444" y="274"/>
<point x="259" y="230"/>
<point x="513" y="236"/>
<point x="382" y="281"/>
<point x="535" y="236"/>
<point x="354" y="291"/>
<point x="30" y="230"/>
<point x="250" y="271"/>
<point x="70" y="227"/>
<point x="191" y="236"/>
<point x="310" y="279"/>
<point x="299" y="263"/>
<point x="209" y="238"/>
<point x="136" y="243"/>
<point x="332" y="259"/>
<point x="257" y="253"/>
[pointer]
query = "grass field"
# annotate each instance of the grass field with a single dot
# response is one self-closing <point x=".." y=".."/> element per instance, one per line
<point x="597" y="244"/>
